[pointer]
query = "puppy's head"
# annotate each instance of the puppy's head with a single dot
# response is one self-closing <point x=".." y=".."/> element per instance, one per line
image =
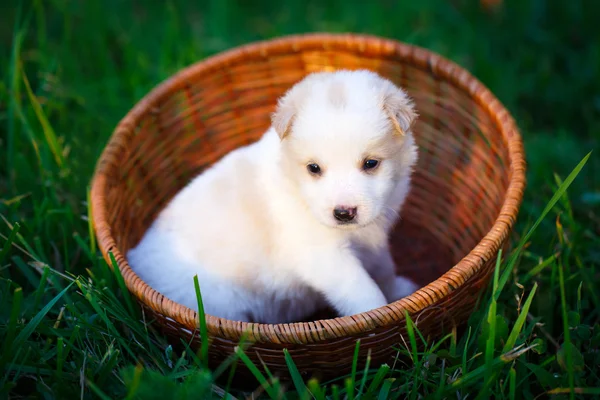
<point x="347" y="145"/>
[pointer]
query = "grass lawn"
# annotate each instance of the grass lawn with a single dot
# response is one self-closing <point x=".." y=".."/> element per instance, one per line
<point x="71" y="69"/>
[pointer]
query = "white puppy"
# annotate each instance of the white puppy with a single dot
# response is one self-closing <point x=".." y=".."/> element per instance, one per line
<point x="300" y="219"/>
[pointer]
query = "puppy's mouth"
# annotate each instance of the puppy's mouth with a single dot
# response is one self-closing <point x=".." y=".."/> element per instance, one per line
<point x="347" y="223"/>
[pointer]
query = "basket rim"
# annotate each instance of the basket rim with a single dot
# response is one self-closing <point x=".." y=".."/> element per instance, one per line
<point x="340" y="327"/>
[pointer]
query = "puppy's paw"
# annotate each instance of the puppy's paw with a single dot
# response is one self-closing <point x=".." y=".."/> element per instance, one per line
<point x="361" y="304"/>
<point x="402" y="287"/>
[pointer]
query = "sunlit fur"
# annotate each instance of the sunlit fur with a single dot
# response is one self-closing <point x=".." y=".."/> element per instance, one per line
<point x="258" y="228"/>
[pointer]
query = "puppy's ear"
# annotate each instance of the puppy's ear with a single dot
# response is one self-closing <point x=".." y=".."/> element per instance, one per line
<point x="400" y="110"/>
<point x="283" y="116"/>
<point x="288" y="105"/>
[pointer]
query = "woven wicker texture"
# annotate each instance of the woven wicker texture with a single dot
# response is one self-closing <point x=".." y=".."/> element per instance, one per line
<point x="465" y="198"/>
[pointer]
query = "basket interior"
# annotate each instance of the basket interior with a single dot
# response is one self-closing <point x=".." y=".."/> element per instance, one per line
<point x="458" y="187"/>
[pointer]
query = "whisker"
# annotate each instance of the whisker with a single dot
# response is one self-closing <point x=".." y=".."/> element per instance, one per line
<point x="391" y="211"/>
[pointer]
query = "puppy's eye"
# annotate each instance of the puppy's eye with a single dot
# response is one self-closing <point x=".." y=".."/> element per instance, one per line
<point x="370" y="165"/>
<point x="314" y="168"/>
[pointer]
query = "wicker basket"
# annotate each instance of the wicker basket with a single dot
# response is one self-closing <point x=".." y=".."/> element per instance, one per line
<point x="466" y="192"/>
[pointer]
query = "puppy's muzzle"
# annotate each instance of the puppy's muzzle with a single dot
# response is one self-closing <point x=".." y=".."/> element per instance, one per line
<point x="344" y="214"/>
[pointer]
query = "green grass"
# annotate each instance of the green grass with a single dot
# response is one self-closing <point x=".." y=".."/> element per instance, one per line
<point x="71" y="69"/>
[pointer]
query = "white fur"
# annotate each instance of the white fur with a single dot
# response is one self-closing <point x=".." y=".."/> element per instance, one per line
<point x="258" y="229"/>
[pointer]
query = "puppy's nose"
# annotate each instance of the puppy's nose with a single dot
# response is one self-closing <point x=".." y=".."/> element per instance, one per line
<point x="344" y="214"/>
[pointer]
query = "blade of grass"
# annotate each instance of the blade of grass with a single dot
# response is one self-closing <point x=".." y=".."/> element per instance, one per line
<point x="202" y="322"/>
<point x="26" y="270"/>
<point x="365" y="374"/>
<point x="512" y="338"/>
<point x="12" y="366"/>
<point x="465" y="350"/>
<point x="40" y="250"/>
<point x="180" y="362"/>
<point x="233" y="358"/>
<point x="273" y="381"/>
<point x="573" y="391"/>
<point x="41" y="23"/>
<point x="9" y="241"/>
<point x="491" y="320"/>
<point x="378" y="378"/>
<point x="90" y="222"/>
<point x="295" y="374"/>
<point x="18" y="369"/>
<point x="231" y="375"/>
<point x="538" y="268"/>
<point x="316" y="390"/>
<point x="37" y="319"/>
<point x="95" y="302"/>
<point x="27" y="248"/>
<point x="442" y="385"/>
<point x="41" y="287"/>
<point x="549" y="206"/>
<point x="413" y="351"/>
<point x="122" y="285"/>
<point x="335" y="392"/>
<point x="12" y="327"/>
<point x="512" y="379"/>
<point x="49" y="134"/>
<point x="349" y="388"/>
<point x="97" y="391"/>
<point x="411" y="337"/>
<point x="31" y="325"/>
<point x="564" y="199"/>
<point x="109" y="362"/>
<point x="60" y="356"/>
<point x="83" y="246"/>
<point x="352" y="383"/>
<point x="71" y="342"/>
<point x="384" y="393"/>
<point x="478" y="373"/>
<point x="440" y="342"/>
<point x="14" y="102"/>
<point x="135" y="384"/>
<point x="567" y="332"/>
<point x="257" y="374"/>
<point x="453" y="340"/>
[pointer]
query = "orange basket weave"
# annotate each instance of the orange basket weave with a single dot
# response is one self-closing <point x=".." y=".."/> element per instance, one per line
<point x="466" y="194"/>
